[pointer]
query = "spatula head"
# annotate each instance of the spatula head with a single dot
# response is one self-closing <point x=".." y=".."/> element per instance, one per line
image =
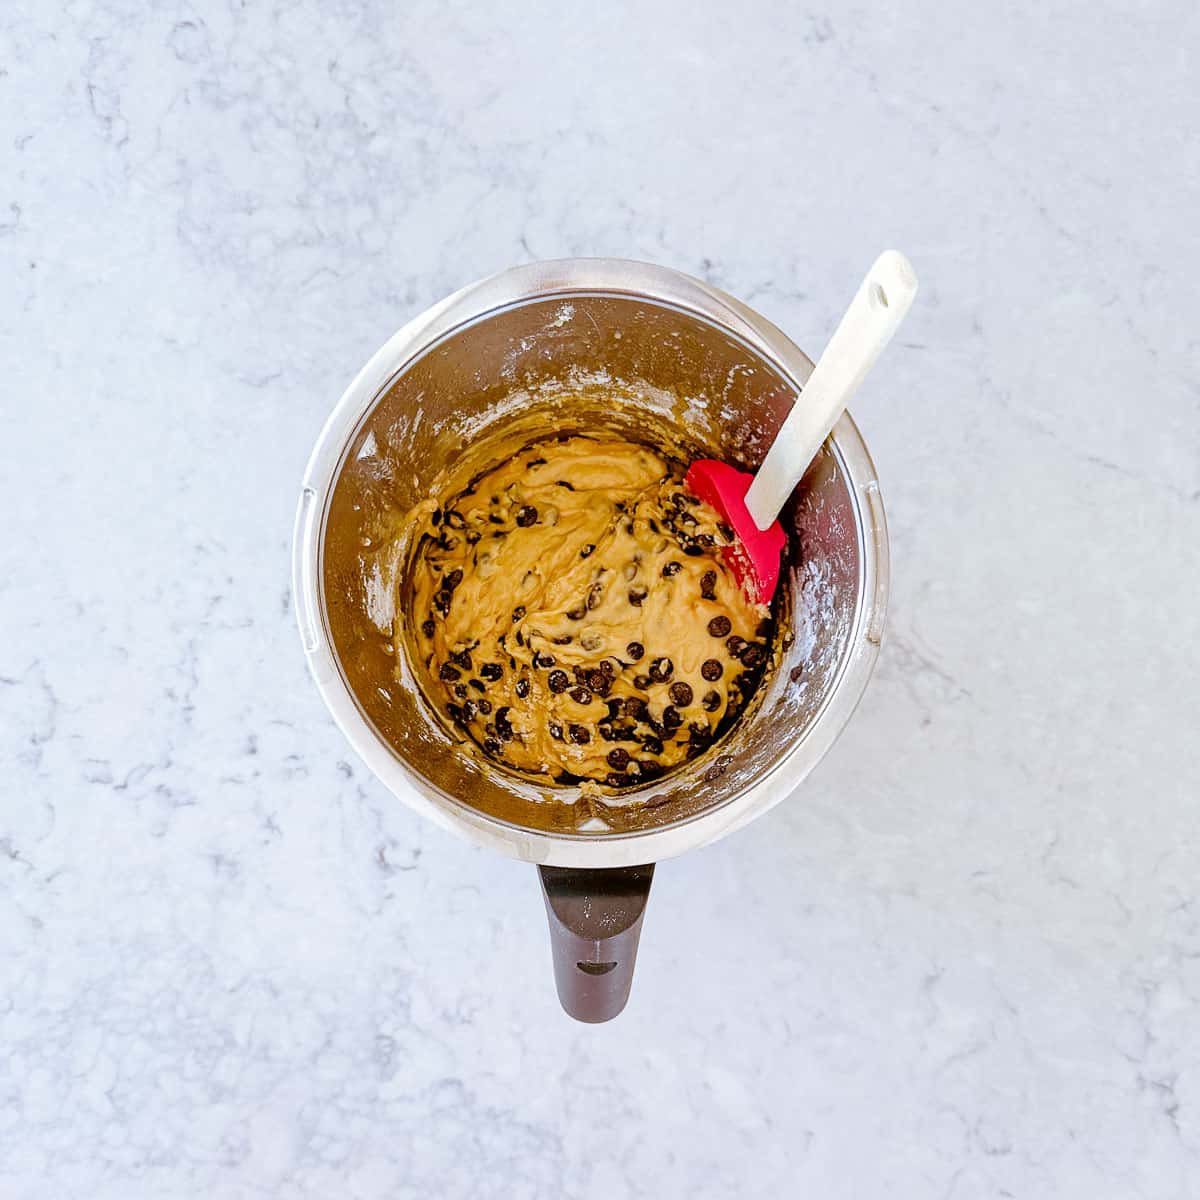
<point x="755" y="556"/>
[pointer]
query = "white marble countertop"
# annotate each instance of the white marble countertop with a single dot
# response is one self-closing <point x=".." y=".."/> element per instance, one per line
<point x="963" y="961"/>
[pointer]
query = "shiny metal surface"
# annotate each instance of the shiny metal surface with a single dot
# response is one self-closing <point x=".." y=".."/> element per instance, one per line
<point x="544" y="348"/>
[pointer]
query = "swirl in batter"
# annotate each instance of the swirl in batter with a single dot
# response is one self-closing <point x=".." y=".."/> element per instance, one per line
<point x="575" y="617"/>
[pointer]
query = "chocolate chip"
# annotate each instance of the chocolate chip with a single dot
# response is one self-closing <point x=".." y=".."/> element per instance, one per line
<point x="693" y="551"/>
<point x="564" y="484"/>
<point x="586" y="550"/>
<point x="652" y="745"/>
<point x="635" y="650"/>
<point x="469" y="709"/>
<point x="708" y="583"/>
<point x="484" y="706"/>
<point x="607" y="667"/>
<point x="598" y="682"/>
<point x="544" y="660"/>
<point x="556" y="731"/>
<point x="526" y="515"/>
<point x="672" y="568"/>
<point x="637" y="595"/>
<point x="477" y="685"/>
<point x="641" y="682"/>
<point x="706" y="540"/>
<point x="565" y="640"/>
<point x="661" y="669"/>
<point x="558" y="681"/>
<point x="671" y="717"/>
<point x="595" y="595"/>
<point x="711" y="670"/>
<point x="442" y="603"/>
<point x="719" y="626"/>
<point x="495" y="518"/>
<point x="606" y="731"/>
<point x="503" y="725"/>
<point x="453" y="579"/>
<point x="579" y="735"/>
<point x="618" y="759"/>
<point x="456" y="712"/>
<point x="449" y="673"/>
<point x="735" y="645"/>
<point x="578" y="612"/>
<point x="427" y="628"/>
<point x="753" y="655"/>
<point x="725" y="531"/>
<point x="635" y="707"/>
<point x="764" y="628"/>
<point x="462" y="658"/>
<point x="492" y="745"/>
<point x="711" y="701"/>
<point x="616" y="780"/>
<point x="681" y="694"/>
<point x="518" y="612"/>
<point x="491" y="671"/>
<point x="581" y="695"/>
<point x="522" y="688"/>
<point x="686" y="518"/>
<point x="460" y="691"/>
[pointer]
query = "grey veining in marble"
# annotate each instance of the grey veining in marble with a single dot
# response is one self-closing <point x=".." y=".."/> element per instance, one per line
<point x="963" y="961"/>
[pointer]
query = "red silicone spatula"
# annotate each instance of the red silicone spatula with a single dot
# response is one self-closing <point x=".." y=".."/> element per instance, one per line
<point x="751" y="504"/>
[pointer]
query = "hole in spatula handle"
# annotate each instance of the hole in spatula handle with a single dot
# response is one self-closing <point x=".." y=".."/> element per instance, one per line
<point x="596" y="968"/>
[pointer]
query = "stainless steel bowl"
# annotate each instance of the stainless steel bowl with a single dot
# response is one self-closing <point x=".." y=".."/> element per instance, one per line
<point x="545" y="347"/>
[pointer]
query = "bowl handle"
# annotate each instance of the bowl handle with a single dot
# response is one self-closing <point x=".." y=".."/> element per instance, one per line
<point x="595" y="923"/>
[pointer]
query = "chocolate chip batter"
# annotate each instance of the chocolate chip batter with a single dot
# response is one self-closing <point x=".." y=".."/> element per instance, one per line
<point x="576" y="618"/>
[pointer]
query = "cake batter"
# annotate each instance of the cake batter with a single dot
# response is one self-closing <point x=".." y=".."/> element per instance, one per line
<point x="575" y="617"/>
